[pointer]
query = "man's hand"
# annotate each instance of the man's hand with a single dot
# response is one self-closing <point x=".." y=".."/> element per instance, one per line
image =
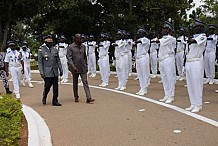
<point x="7" y="74"/>
<point x="75" y="69"/>
<point x="61" y="73"/>
<point x="42" y="76"/>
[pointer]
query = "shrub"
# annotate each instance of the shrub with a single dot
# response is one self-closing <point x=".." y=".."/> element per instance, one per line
<point x="10" y="120"/>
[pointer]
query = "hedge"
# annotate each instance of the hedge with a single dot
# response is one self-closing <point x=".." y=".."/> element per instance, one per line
<point x="10" y="120"/>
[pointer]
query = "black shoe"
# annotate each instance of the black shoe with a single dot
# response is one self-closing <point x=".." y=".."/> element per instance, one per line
<point x="8" y="91"/>
<point x="44" y="101"/>
<point x="76" y="100"/>
<point x="90" y="100"/>
<point x="56" y="104"/>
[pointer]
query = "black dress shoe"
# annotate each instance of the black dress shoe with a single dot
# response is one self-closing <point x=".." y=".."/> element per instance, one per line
<point x="90" y="100"/>
<point x="56" y="104"/>
<point x="43" y="101"/>
<point x="76" y="100"/>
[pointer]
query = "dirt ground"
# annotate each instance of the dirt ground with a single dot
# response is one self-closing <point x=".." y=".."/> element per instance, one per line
<point x="114" y="119"/>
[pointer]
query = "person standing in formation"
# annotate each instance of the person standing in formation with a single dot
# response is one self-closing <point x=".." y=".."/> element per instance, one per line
<point x="14" y="63"/>
<point x="194" y="66"/>
<point x="180" y="50"/>
<point x="129" y="45"/>
<point x="121" y="55"/>
<point x="142" y="60"/>
<point x="27" y="71"/>
<point x="49" y="65"/>
<point x="91" y="56"/>
<point x="77" y="59"/>
<point x="62" y="51"/>
<point x="104" y="65"/>
<point x="210" y="55"/>
<point x="3" y="73"/>
<point x="167" y="63"/>
<point x="153" y="55"/>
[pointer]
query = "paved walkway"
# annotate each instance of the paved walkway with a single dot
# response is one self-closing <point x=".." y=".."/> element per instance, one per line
<point x="122" y="119"/>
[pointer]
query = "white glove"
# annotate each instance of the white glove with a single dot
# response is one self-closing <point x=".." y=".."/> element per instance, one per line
<point x="216" y="63"/>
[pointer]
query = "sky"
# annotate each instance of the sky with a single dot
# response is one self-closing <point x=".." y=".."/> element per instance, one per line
<point x="197" y="4"/>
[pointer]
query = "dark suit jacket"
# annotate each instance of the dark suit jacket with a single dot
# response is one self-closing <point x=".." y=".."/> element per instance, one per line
<point x="76" y="56"/>
<point x="49" y="62"/>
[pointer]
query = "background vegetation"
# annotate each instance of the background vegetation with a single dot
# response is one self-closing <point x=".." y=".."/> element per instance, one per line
<point x="30" y="20"/>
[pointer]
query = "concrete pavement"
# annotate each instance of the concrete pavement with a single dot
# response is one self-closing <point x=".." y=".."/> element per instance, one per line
<point x="118" y="119"/>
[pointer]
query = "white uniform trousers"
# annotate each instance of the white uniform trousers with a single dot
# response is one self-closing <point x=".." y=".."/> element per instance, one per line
<point x="126" y="67"/>
<point x="130" y="62"/>
<point x="153" y="60"/>
<point x="209" y="64"/>
<point x="92" y="63"/>
<point x="104" y="67"/>
<point x="64" y="67"/>
<point x="143" y="71"/>
<point x="194" y="82"/>
<point x="27" y="72"/>
<point x="122" y="70"/>
<point x="168" y="75"/>
<point x="15" y="74"/>
<point x="179" y="62"/>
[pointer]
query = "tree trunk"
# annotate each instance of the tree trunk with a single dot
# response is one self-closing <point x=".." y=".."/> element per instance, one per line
<point x="5" y="36"/>
<point x="1" y="32"/>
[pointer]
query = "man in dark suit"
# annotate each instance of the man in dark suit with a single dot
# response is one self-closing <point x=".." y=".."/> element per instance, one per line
<point x="49" y="65"/>
<point x="76" y="56"/>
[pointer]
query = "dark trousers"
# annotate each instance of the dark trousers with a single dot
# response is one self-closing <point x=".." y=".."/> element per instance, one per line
<point x="85" y="84"/>
<point x="51" y="81"/>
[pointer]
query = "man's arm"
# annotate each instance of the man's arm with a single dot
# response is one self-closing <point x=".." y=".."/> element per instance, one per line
<point x="40" y="63"/>
<point x="22" y="63"/>
<point x="6" y="68"/>
<point x="70" y="58"/>
<point x="59" y="64"/>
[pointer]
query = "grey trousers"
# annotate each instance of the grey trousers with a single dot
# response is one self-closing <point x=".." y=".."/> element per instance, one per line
<point x="85" y="84"/>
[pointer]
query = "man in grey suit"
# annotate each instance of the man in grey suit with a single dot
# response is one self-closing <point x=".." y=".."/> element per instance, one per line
<point x="49" y="65"/>
<point x="76" y="56"/>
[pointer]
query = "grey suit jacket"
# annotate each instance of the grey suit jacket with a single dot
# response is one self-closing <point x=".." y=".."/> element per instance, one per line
<point x="49" y="62"/>
<point x="76" y="56"/>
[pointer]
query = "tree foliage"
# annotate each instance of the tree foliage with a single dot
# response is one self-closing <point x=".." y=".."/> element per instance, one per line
<point x="32" y="19"/>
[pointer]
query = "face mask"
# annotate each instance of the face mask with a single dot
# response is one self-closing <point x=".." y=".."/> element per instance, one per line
<point x="49" y="44"/>
<point x="12" y="48"/>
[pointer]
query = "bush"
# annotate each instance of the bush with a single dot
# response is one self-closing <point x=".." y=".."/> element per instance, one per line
<point x="10" y="120"/>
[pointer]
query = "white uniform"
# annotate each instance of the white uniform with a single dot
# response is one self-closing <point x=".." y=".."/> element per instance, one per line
<point x="62" y="49"/>
<point x="142" y="64"/>
<point x="121" y="54"/>
<point x="153" y="56"/>
<point x="181" y="45"/>
<point x="129" y="44"/>
<point x="92" y="58"/>
<point x="14" y="58"/>
<point x="104" y="65"/>
<point x="194" y="66"/>
<point x="209" y="58"/>
<point x="27" y="71"/>
<point x="167" y="67"/>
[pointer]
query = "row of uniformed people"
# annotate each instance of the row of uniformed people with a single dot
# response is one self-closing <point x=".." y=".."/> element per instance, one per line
<point x="194" y="48"/>
<point x="17" y="62"/>
<point x="166" y="55"/>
